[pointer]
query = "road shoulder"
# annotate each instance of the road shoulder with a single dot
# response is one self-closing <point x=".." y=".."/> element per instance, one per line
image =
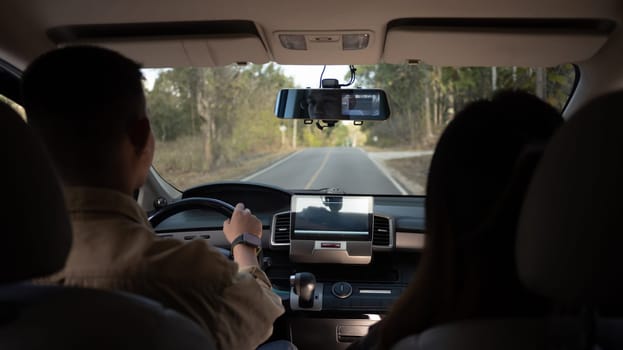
<point x="409" y="169"/>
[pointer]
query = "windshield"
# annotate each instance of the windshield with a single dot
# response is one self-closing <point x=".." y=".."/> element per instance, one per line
<point x="218" y="124"/>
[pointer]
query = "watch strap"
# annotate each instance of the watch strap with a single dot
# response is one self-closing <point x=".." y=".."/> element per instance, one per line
<point x="247" y="239"/>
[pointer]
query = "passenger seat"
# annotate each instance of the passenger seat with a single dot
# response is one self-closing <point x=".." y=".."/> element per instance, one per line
<point x="570" y="240"/>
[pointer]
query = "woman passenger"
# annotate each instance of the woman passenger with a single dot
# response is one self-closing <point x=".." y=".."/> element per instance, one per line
<point x="476" y="183"/>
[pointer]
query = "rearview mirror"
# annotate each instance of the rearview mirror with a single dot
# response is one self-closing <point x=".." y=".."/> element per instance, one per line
<point x="332" y="104"/>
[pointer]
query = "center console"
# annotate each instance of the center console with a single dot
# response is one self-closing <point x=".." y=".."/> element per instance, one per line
<point x="332" y="313"/>
<point x="331" y="229"/>
<point x="335" y="263"/>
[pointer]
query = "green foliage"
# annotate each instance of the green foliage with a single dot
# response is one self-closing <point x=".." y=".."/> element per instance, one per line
<point x="228" y="108"/>
<point x="313" y="137"/>
<point x="231" y="110"/>
<point x="423" y="99"/>
<point x="168" y="106"/>
<point x="337" y="136"/>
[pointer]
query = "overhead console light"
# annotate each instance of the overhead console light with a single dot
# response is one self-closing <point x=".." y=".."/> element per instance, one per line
<point x="326" y="46"/>
<point x="355" y="41"/>
<point x="293" y="41"/>
<point x="328" y="42"/>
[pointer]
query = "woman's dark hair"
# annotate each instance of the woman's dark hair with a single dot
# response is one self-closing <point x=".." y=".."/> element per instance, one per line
<point x="475" y="187"/>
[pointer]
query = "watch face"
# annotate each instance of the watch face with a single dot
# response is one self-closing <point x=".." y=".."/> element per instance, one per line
<point x="252" y="239"/>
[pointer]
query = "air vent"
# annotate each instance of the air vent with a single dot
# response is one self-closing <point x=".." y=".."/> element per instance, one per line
<point x="381" y="232"/>
<point x="281" y="229"/>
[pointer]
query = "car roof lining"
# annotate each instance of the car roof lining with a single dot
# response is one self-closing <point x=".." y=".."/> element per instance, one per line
<point x="24" y="25"/>
<point x="437" y="41"/>
<point x="30" y="27"/>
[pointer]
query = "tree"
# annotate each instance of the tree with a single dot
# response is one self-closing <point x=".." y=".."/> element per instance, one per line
<point x="168" y="106"/>
<point x="423" y="99"/>
<point x="229" y="108"/>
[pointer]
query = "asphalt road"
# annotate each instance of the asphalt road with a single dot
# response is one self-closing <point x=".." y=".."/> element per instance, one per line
<point x="349" y="169"/>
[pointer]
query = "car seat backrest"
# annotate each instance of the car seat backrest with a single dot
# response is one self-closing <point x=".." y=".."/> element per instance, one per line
<point x="54" y="317"/>
<point x="571" y="233"/>
<point x="36" y="233"/>
<point x="571" y="229"/>
<point x="36" y="238"/>
<point x="494" y="334"/>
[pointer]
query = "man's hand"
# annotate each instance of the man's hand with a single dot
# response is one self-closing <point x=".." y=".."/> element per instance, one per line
<point x="242" y="222"/>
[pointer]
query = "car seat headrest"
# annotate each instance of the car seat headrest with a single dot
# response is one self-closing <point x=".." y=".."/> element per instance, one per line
<point x="36" y="233"/>
<point x="570" y="231"/>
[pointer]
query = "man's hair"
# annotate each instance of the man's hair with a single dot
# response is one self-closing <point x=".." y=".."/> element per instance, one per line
<point x="80" y="100"/>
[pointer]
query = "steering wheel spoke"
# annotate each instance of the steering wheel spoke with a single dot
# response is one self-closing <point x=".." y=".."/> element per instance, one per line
<point x="213" y="204"/>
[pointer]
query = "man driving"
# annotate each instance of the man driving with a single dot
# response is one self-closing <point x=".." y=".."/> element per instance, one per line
<point x="88" y="106"/>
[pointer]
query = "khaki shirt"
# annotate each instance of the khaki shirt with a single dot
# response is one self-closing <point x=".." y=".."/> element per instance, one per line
<point x="114" y="247"/>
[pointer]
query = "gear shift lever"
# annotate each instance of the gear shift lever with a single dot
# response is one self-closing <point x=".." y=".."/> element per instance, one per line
<point x="304" y="284"/>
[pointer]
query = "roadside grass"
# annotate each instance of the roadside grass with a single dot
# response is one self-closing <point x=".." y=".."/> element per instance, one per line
<point x="182" y="163"/>
<point x="411" y="172"/>
<point x="371" y="148"/>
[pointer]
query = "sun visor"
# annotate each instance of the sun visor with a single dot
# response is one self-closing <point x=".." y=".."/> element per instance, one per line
<point x="209" y="52"/>
<point x="493" y="43"/>
<point x="178" y="44"/>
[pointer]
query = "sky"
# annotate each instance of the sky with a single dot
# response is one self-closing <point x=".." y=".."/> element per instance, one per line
<point x="304" y="76"/>
<point x="309" y="76"/>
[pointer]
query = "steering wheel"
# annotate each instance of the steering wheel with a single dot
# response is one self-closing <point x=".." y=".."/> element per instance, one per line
<point x="194" y="203"/>
<point x="188" y="204"/>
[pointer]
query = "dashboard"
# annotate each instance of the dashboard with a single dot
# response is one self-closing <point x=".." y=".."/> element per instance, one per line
<point x="362" y="255"/>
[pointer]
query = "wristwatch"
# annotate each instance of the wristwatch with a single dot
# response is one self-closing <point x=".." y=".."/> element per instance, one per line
<point x="247" y="239"/>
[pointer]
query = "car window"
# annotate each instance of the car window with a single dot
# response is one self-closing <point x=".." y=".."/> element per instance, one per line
<point x="217" y="124"/>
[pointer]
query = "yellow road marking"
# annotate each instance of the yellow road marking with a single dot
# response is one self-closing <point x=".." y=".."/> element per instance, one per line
<point x="315" y="176"/>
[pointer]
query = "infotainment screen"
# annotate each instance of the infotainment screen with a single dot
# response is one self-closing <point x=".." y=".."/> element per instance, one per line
<point x="331" y="217"/>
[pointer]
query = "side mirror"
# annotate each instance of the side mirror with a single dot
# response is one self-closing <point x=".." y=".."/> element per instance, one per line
<point x="332" y="104"/>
